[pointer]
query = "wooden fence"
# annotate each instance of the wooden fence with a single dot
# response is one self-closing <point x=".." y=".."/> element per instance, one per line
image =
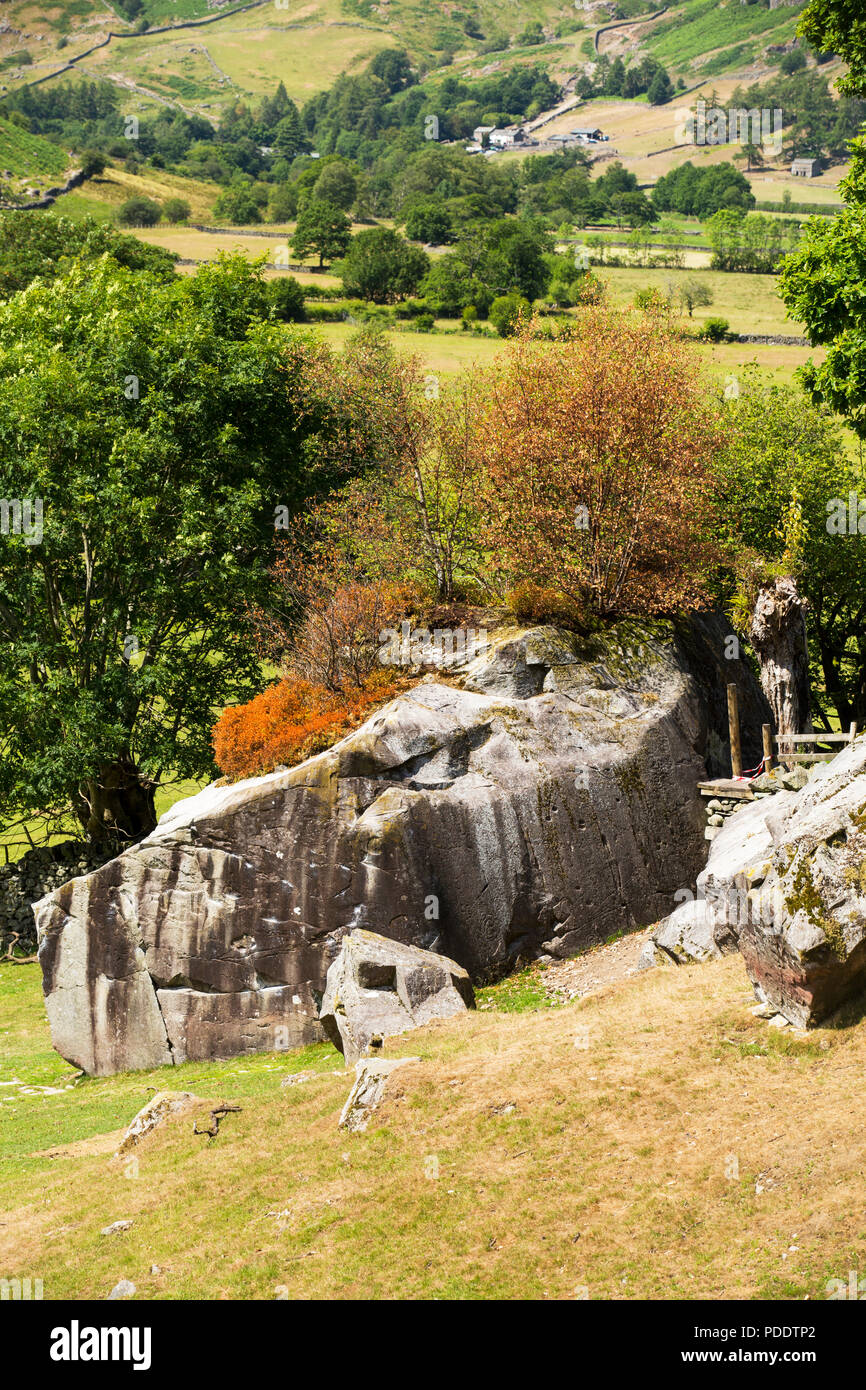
<point x="782" y="746"/>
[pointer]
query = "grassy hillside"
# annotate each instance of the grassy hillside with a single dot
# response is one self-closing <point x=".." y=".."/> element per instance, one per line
<point x="307" y="46"/>
<point x="715" y="38"/>
<point x="29" y="158"/>
<point x="635" y="1144"/>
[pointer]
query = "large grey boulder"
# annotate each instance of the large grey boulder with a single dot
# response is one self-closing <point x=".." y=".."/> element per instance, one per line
<point x="378" y="987"/>
<point x="785" y="884"/>
<point x="542" y="800"/>
<point x="804" y="937"/>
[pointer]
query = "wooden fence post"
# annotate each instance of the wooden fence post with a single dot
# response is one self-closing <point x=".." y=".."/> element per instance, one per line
<point x="767" y="734"/>
<point x="853" y="733"/>
<point x="734" y="731"/>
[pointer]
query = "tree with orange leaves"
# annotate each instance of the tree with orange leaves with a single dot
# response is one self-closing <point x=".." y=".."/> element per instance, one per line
<point x="595" y="450"/>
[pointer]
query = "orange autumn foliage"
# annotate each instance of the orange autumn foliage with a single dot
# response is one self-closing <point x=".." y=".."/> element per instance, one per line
<point x="290" y="721"/>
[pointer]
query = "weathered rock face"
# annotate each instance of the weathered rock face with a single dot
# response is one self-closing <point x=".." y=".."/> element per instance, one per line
<point x="546" y="804"/>
<point x="377" y="986"/>
<point x="786" y="882"/>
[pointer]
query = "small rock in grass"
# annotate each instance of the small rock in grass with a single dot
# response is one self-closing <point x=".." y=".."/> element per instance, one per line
<point x="125" y="1289"/>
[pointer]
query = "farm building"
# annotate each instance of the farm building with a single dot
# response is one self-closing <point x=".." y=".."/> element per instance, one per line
<point x="806" y="168"/>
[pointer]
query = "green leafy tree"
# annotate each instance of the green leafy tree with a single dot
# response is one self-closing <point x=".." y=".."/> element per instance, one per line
<point x="383" y="266"/>
<point x="139" y="212"/>
<point x="756" y="242"/>
<point x="176" y="210"/>
<point x="451" y="286"/>
<point x="322" y="229"/>
<point x="694" y="294"/>
<point x="337" y="184"/>
<point x="823" y="282"/>
<point x="510" y="255"/>
<point x="237" y="205"/>
<point x="429" y="222"/>
<point x="283" y="204"/>
<point x="92" y="163"/>
<point x="159" y="426"/>
<point x="286" y="297"/>
<point x="40" y="244"/>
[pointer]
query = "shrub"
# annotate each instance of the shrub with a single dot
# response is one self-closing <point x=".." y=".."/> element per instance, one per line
<point x="506" y="311"/>
<point x="176" y="209"/>
<point x="92" y="163"/>
<point x="286" y="296"/>
<point x="289" y="722"/>
<point x="536" y="603"/>
<point x="425" y="323"/>
<point x="139" y="212"/>
<point x="715" y="330"/>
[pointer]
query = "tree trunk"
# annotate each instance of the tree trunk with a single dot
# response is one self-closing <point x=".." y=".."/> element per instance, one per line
<point x="778" y="635"/>
<point x="117" y="803"/>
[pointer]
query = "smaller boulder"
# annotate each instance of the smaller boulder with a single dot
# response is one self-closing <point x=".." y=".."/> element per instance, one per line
<point x="157" y="1109"/>
<point x="380" y="986"/>
<point x="793" y="779"/>
<point x="371" y="1078"/>
<point x="688" y="934"/>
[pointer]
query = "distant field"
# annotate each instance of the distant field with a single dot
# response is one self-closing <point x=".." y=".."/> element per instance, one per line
<point x="306" y="48"/>
<point x="749" y="302"/>
<point x="450" y="352"/>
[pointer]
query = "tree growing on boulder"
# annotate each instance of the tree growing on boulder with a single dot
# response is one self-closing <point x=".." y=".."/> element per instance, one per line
<point x="595" y="449"/>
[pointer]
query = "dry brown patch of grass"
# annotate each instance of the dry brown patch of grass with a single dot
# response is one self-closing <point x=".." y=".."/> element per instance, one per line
<point x="663" y="1143"/>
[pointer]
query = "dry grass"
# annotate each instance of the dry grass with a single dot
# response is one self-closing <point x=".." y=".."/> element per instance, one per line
<point x="663" y="1144"/>
<point x="115" y="185"/>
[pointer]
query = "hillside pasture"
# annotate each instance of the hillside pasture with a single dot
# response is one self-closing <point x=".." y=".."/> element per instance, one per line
<point x="637" y="1143"/>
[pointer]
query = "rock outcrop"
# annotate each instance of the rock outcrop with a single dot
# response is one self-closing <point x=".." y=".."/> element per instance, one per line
<point x="786" y="882"/>
<point x="379" y="988"/>
<point x="542" y="804"/>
